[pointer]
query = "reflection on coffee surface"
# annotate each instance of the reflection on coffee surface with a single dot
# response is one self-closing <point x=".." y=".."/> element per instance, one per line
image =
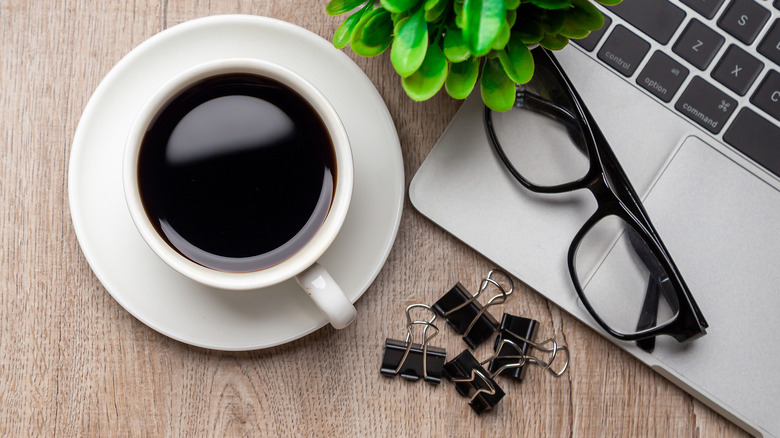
<point x="237" y="172"/>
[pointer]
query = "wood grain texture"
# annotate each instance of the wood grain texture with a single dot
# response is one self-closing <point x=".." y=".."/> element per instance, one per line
<point x="74" y="363"/>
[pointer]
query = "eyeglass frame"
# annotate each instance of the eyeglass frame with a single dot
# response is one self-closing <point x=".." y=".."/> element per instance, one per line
<point x="617" y="199"/>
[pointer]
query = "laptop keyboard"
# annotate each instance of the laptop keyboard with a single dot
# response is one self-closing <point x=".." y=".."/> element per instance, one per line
<point x="715" y="62"/>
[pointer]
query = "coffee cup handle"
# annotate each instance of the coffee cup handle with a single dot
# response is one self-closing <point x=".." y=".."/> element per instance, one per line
<point x="327" y="295"/>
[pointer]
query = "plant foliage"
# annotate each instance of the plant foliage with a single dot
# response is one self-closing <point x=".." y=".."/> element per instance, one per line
<point x="456" y="43"/>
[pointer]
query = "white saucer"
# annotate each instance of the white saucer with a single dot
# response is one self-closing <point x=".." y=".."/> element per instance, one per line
<point x="162" y="298"/>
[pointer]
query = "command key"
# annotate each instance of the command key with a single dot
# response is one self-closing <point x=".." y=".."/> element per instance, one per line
<point x="706" y="105"/>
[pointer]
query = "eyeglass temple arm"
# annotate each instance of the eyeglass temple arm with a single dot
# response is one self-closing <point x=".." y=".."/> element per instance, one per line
<point x="533" y="102"/>
<point x="657" y="282"/>
<point x="648" y="316"/>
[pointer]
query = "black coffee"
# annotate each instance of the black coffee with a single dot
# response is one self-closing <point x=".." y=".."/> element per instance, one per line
<point x="237" y="172"/>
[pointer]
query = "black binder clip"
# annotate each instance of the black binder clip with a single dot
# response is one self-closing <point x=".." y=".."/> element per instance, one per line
<point x="473" y="381"/>
<point x="466" y="315"/>
<point x="508" y="354"/>
<point x="412" y="360"/>
<point x="512" y="346"/>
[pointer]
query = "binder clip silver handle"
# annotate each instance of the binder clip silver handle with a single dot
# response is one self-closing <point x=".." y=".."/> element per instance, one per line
<point x="414" y="360"/>
<point x="494" y="300"/>
<point x="522" y="359"/>
<point x="489" y="389"/>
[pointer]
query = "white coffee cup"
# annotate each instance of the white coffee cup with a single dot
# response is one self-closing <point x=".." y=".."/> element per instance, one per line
<point x="302" y="265"/>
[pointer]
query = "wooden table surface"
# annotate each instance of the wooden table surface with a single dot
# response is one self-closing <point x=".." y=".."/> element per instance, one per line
<point x="73" y="362"/>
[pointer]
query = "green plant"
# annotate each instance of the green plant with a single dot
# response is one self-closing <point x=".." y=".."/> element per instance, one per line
<point x="448" y="43"/>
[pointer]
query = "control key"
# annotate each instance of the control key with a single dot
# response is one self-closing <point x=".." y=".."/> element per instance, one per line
<point x="623" y="51"/>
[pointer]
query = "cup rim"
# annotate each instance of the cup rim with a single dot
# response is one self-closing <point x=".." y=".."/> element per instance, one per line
<point x="313" y="249"/>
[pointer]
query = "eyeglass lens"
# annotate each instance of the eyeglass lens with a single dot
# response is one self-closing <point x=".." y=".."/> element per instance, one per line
<point x="622" y="279"/>
<point x="544" y="122"/>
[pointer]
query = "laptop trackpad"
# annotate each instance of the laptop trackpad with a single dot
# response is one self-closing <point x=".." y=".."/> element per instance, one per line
<point x="720" y="223"/>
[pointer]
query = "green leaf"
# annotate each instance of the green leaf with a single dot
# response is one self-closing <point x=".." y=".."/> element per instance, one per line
<point x="462" y="78"/>
<point x="498" y="91"/>
<point x="454" y="48"/>
<point x="530" y="32"/>
<point x="512" y="4"/>
<point x="551" y="4"/>
<point x="482" y="23"/>
<point x="503" y="38"/>
<point x="398" y="5"/>
<point x="553" y="21"/>
<point x="430" y="5"/>
<point x="609" y="2"/>
<point x="511" y="17"/>
<point x="338" y="7"/>
<point x="585" y="15"/>
<point x="457" y="7"/>
<point x="434" y="9"/>
<point x="378" y="30"/>
<point x="554" y="42"/>
<point x="581" y="19"/>
<point x="397" y="18"/>
<point x="399" y="24"/>
<point x="429" y="78"/>
<point x="410" y="44"/>
<point x="366" y="40"/>
<point x="573" y="30"/>
<point x="344" y="32"/>
<point x="459" y="21"/>
<point x="517" y="60"/>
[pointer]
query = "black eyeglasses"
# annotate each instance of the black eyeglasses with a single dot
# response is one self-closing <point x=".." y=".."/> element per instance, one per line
<point x="620" y="268"/>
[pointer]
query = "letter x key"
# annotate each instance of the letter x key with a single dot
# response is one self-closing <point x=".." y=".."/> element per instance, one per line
<point x="737" y="70"/>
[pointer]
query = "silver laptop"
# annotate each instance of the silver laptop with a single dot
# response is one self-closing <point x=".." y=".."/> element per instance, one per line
<point x="687" y="92"/>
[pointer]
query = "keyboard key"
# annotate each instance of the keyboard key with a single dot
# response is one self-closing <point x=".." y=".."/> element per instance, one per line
<point x="737" y="70"/>
<point x="698" y="44"/>
<point x="657" y="18"/>
<point x="707" y="8"/>
<point x="744" y="19"/>
<point x="767" y="97"/>
<point x="706" y="105"/>
<point x="770" y="46"/>
<point x="623" y="50"/>
<point x="777" y="4"/>
<point x="591" y="41"/>
<point x="757" y="138"/>
<point x="662" y="76"/>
